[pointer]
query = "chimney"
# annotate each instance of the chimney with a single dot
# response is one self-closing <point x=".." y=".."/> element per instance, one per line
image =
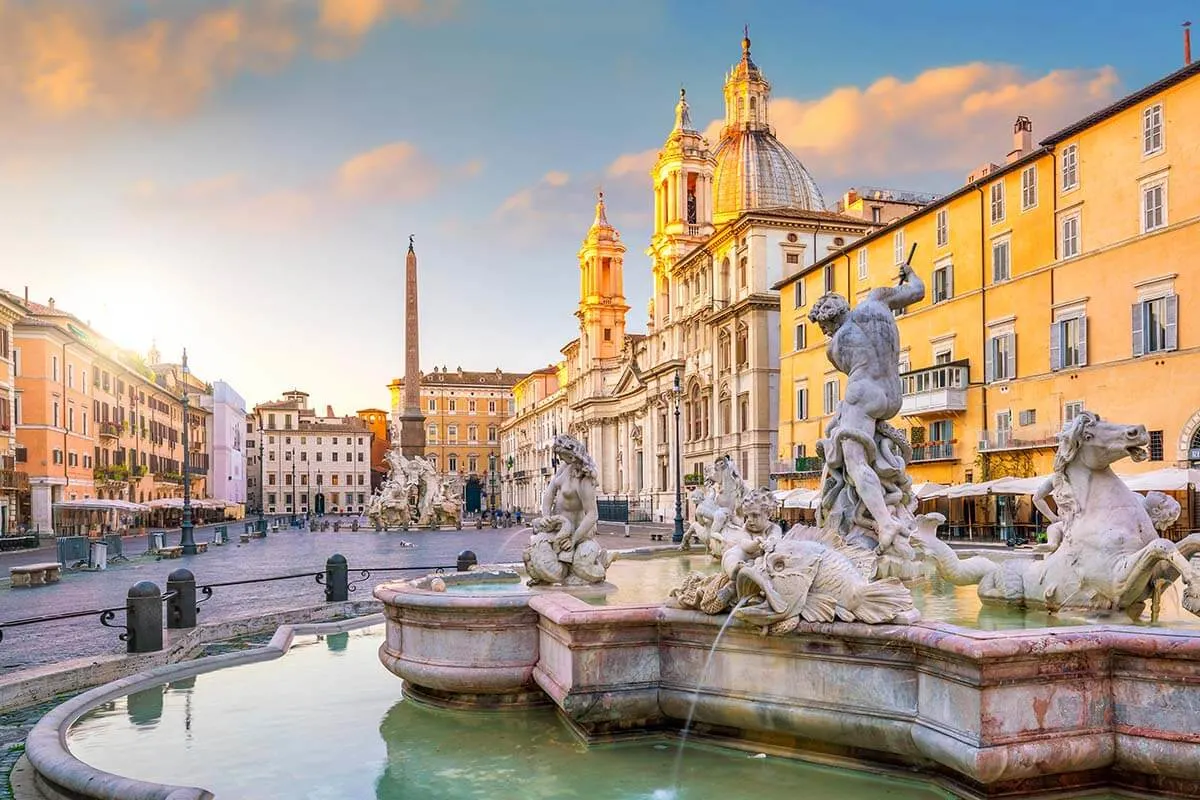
<point x="51" y="302"/>
<point x="329" y="411"/>
<point x="1022" y="138"/>
<point x="1187" y="44"/>
<point x="26" y="295"/>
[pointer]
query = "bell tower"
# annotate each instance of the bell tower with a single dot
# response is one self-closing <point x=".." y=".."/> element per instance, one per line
<point x="602" y="305"/>
<point x="747" y="95"/>
<point x="683" y="203"/>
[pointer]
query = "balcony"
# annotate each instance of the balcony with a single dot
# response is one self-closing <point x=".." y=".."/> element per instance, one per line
<point x="117" y="473"/>
<point x="110" y="430"/>
<point x="933" y="451"/>
<point x="934" y="390"/>
<point x="1017" y="440"/>
<point x="802" y="467"/>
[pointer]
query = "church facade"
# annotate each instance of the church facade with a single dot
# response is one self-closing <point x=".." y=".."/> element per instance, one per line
<point x="730" y="221"/>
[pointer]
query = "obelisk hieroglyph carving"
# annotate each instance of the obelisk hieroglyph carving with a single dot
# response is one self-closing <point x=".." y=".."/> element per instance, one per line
<point x="412" y="421"/>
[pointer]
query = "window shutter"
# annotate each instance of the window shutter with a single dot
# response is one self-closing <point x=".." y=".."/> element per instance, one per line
<point x="949" y="281"/>
<point x="1082" y="341"/>
<point x="1055" y="346"/>
<point x="1138" y="346"/>
<point x="1012" y="356"/>
<point x="989" y="361"/>
<point x="1172" y="321"/>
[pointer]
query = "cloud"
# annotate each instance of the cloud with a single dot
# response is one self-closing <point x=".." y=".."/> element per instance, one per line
<point x="64" y="59"/>
<point x="945" y="119"/>
<point x="949" y="118"/>
<point x="556" y="178"/>
<point x="393" y="173"/>
<point x="562" y="203"/>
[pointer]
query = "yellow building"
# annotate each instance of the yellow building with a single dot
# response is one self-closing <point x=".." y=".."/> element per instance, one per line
<point x="540" y="413"/>
<point x="1052" y="284"/>
<point x="463" y="414"/>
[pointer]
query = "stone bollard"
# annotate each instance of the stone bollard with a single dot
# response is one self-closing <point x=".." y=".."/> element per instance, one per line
<point x="337" y="581"/>
<point x="626" y="530"/>
<point x="144" y="618"/>
<point x="181" y="609"/>
<point x="466" y="560"/>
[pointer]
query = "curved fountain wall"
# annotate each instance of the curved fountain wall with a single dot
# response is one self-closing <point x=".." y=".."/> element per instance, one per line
<point x="993" y="713"/>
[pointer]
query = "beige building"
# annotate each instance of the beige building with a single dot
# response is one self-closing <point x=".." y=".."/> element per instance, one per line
<point x="539" y="414"/>
<point x="729" y="222"/>
<point x="298" y="462"/>
<point x="14" y="490"/>
<point x="463" y="414"/>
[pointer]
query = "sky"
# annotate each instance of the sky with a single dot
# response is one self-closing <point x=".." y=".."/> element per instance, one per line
<point x="241" y="178"/>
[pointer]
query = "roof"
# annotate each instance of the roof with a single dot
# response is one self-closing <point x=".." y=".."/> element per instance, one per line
<point x="1178" y="76"/>
<point x="916" y="213"/>
<point x="461" y="377"/>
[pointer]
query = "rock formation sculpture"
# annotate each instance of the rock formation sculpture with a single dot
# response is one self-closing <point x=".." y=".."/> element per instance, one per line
<point x="413" y="495"/>
<point x="1107" y="554"/>
<point x="563" y="548"/>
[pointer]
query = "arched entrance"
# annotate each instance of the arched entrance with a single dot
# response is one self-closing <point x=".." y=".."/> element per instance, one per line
<point x="474" y="495"/>
<point x="319" y="504"/>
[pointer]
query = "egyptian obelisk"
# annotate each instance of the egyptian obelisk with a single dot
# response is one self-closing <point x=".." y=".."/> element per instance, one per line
<point x="412" y="421"/>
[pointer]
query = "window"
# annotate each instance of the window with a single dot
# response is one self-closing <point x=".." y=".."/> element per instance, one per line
<point x="744" y="412"/>
<point x="472" y="433"/>
<point x="798" y="337"/>
<point x="943" y="283"/>
<point x="828" y="278"/>
<point x="1068" y="343"/>
<point x="792" y="258"/>
<point x="1070" y="167"/>
<point x="70" y="419"/>
<point x="271" y="479"/>
<point x="1000" y="362"/>
<point x="1029" y="188"/>
<point x="1152" y="131"/>
<point x="1156" y="445"/>
<point x="1155" y="325"/>
<point x="85" y="430"/>
<point x="491" y="433"/>
<point x="320" y="456"/>
<point x="491" y="406"/>
<point x="1154" y="206"/>
<point x="943" y="227"/>
<point x="452" y="463"/>
<point x="54" y="368"/>
<point x="862" y="263"/>
<point x="1001" y="267"/>
<point x="1004" y="428"/>
<point x="472" y="463"/>
<point x="453" y="405"/>
<point x="876" y="213"/>
<point x="55" y="420"/>
<point x="943" y="357"/>
<point x="898" y="247"/>
<point x="742" y="270"/>
<point x="471" y="405"/>
<point x="452" y="433"/>
<point x="360" y="456"/>
<point x="333" y="456"/>
<point x="431" y="404"/>
<point x="1070" y="236"/>
<point x="58" y="456"/>
<point x="70" y="376"/>
<point x="433" y="433"/>
<point x="801" y="410"/>
<point x="1027" y="417"/>
<point x="831" y="396"/>
<point x="798" y="293"/>
<point x="997" y="196"/>
<point x="349" y="480"/>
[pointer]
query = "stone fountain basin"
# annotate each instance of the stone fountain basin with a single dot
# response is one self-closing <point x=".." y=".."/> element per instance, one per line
<point x="994" y="713"/>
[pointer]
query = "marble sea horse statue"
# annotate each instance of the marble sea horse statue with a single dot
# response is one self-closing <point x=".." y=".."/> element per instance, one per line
<point x="1107" y="554"/>
<point x="718" y="507"/>
<point x="866" y="493"/>
<point x="563" y="548"/>
<point x="775" y="581"/>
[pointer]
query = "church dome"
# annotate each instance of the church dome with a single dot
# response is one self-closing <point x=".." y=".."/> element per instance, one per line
<point x="754" y="170"/>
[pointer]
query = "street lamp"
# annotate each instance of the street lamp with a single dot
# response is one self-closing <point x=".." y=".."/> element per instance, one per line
<point x="492" y="484"/>
<point x="187" y="535"/>
<point x="295" y="488"/>
<point x="677" y="536"/>
<point x="262" y="476"/>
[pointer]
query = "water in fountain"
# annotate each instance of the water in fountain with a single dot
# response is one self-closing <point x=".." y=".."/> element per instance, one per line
<point x="500" y="558"/>
<point x="696" y="697"/>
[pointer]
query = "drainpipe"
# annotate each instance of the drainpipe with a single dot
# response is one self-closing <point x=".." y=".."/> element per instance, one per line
<point x="983" y="318"/>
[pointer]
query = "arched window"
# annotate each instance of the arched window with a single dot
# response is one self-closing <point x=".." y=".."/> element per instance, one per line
<point x="743" y="345"/>
<point x="1194" y="447"/>
<point x="723" y="354"/>
<point x="740" y="110"/>
<point x="697" y="415"/>
<point x="725" y="280"/>
<point x="753" y="109"/>
<point x="743" y="265"/>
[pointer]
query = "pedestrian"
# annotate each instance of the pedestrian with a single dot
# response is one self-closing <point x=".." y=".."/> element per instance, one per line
<point x="508" y="519"/>
<point x="518" y="517"/>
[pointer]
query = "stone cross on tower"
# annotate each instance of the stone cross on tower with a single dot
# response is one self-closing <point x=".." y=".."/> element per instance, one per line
<point x="412" y="421"/>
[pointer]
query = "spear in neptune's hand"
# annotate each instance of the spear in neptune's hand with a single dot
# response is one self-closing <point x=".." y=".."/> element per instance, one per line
<point x="907" y="265"/>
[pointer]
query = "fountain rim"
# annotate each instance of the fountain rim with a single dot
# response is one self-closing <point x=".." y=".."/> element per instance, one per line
<point x="54" y="763"/>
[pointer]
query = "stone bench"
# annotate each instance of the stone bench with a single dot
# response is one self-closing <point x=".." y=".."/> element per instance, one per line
<point x="36" y="574"/>
<point x="201" y="547"/>
<point x="171" y="552"/>
<point x="245" y="538"/>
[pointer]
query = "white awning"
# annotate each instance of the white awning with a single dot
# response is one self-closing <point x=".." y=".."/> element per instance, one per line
<point x="1170" y="479"/>
<point x="802" y="498"/>
<point x="92" y="504"/>
<point x="928" y="489"/>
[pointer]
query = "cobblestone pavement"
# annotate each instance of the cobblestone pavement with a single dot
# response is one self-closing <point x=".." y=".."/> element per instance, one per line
<point x="289" y="551"/>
